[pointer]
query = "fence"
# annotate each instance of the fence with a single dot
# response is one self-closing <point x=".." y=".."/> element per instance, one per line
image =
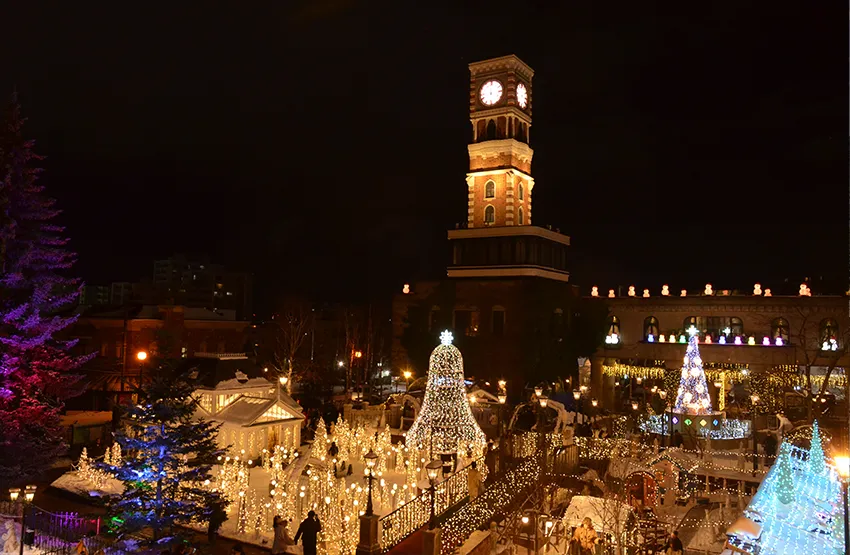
<point x="414" y="514"/>
<point x="55" y="533"/>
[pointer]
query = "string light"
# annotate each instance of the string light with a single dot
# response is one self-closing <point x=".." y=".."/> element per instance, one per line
<point x="446" y="423"/>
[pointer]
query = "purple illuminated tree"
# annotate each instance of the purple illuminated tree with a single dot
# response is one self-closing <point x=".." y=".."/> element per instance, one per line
<point x="36" y="366"/>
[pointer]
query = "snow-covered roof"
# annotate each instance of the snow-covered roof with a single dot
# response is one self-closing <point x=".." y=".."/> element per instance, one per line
<point x="483" y="394"/>
<point x="85" y="418"/>
<point x="236" y="383"/>
<point x="246" y="410"/>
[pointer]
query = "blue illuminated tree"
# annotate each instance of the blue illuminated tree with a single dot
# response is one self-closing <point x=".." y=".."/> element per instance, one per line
<point x="693" y="397"/>
<point x="170" y="455"/>
<point x="817" y="461"/>
<point x="784" y="484"/>
<point x="36" y="365"/>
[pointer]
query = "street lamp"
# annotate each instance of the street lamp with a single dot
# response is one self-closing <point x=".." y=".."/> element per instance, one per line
<point x="842" y="463"/>
<point x="594" y="402"/>
<point x="502" y="384"/>
<point x="543" y="402"/>
<point x="29" y="495"/>
<point x="433" y="470"/>
<point x="755" y="401"/>
<point x="502" y="398"/>
<point x="340" y="364"/>
<point x="141" y="356"/>
<point x="576" y="394"/>
<point x="538" y="390"/>
<point x="283" y="380"/>
<point x="371" y="459"/>
<point x="635" y="405"/>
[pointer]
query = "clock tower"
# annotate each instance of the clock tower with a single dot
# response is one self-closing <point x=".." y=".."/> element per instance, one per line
<point x="499" y="180"/>
<point x="498" y="239"/>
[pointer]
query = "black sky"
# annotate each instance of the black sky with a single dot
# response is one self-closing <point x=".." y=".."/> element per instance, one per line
<point x="322" y="144"/>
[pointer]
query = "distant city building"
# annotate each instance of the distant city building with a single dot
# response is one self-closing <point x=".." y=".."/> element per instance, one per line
<point x="197" y="282"/>
<point x="121" y="293"/>
<point x="94" y="295"/>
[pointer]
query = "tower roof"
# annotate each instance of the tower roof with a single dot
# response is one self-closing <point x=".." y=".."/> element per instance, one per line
<point x="511" y="61"/>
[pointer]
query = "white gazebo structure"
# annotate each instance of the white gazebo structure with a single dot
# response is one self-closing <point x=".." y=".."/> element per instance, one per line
<point x="255" y="413"/>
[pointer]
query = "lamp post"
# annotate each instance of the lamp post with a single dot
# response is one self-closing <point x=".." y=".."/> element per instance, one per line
<point x="755" y="401"/>
<point x="502" y="400"/>
<point x="371" y="459"/>
<point x="433" y="469"/>
<point x="407" y="375"/>
<point x="29" y="495"/>
<point x="141" y="356"/>
<point x="544" y="402"/>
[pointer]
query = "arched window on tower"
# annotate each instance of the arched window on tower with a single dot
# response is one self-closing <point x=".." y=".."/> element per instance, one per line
<point x="521" y="191"/>
<point x="650" y="329"/>
<point x="521" y="217"/>
<point x="491" y="130"/>
<point x="780" y="329"/>
<point x="489" y="215"/>
<point x="490" y="189"/>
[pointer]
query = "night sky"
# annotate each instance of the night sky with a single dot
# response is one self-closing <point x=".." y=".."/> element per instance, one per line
<point x="322" y="144"/>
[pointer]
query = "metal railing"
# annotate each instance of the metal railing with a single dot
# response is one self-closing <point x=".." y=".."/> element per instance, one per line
<point x="55" y="533"/>
<point x="414" y="514"/>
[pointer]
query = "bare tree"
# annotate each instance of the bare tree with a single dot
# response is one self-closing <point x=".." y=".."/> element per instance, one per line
<point x="294" y="323"/>
<point x="813" y="349"/>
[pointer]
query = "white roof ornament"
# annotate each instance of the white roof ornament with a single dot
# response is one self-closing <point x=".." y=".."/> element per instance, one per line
<point x="446" y="337"/>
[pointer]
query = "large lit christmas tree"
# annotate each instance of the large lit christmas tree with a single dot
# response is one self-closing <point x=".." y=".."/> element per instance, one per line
<point x="169" y="458"/>
<point x="817" y="462"/>
<point x="36" y="368"/>
<point x="693" y="397"/>
<point x="445" y="423"/>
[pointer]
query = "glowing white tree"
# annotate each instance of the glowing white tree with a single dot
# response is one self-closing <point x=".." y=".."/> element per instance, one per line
<point x="693" y="397"/>
<point x="446" y="420"/>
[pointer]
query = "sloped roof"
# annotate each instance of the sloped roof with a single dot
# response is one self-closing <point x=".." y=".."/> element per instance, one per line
<point x="214" y="373"/>
<point x="245" y="410"/>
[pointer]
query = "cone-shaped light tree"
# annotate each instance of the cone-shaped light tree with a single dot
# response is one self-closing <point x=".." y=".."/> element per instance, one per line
<point x="445" y="422"/>
<point x="817" y="462"/>
<point x="36" y="367"/>
<point x="784" y="485"/>
<point x="693" y="397"/>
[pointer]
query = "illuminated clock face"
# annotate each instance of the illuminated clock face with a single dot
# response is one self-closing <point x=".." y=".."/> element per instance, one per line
<point x="521" y="95"/>
<point x="491" y="92"/>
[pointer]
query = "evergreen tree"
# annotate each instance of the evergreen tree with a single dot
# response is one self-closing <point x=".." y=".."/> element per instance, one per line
<point x="693" y="397"/>
<point x="784" y="486"/>
<point x="36" y="367"/>
<point x="167" y="457"/>
<point x="817" y="463"/>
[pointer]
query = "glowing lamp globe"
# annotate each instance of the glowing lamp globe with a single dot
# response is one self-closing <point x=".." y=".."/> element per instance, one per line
<point x="594" y="402"/>
<point x="538" y="391"/>
<point x="576" y="394"/>
<point x="502" y="398"/>
<point x="14" y="493"/>
<point x="141" y="356"/>
<point x="433" y="469"/>
<point x="543" y="402"/>
<point x="842" y="465"/>
<point x="634" y="406"/>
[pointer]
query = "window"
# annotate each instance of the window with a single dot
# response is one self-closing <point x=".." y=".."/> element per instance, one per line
<point x="467" y="322"/>
<point x="780" y="329"/>
<point x="557" y="323"/>
<point x="829" y="334"/>
<point x="650" y="328"/>
<point x="521" y="219"/>
<point x="715" y="326"/>
<point x="521" y="191"/>
<point x="498" y="320"/>
<point x="613" y="337"/>
<point x="688" y="322"/>
<point x="490" y="189"/>
<point x="489" y="215"/>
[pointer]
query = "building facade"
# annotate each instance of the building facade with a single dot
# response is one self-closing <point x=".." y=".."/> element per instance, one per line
<point x="744" y="340"/>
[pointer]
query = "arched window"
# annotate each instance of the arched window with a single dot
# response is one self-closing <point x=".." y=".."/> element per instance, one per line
<point x="650" y="328"/>
<point x="737" y="325"/>
<point x="780" y="329"/>
<point x="829" y="334"/>
<point x="521" y="218"/>
<point x="490" y="189"/>
<point x="433" y="318"/>
<point x="613" y="337"/>
<point x="489" y="215"/>
<point x="688" y="322"/>
<point x="521" y="191"/>
<point x="491" y="130"/>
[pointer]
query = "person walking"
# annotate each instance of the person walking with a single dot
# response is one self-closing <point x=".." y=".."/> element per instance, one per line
<point x="674" y="544"/>
<point x="282" y="539"/>
<point x="473" y="479"/>
<point x="585" y="537"/>
<point x="309" y="531"/>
